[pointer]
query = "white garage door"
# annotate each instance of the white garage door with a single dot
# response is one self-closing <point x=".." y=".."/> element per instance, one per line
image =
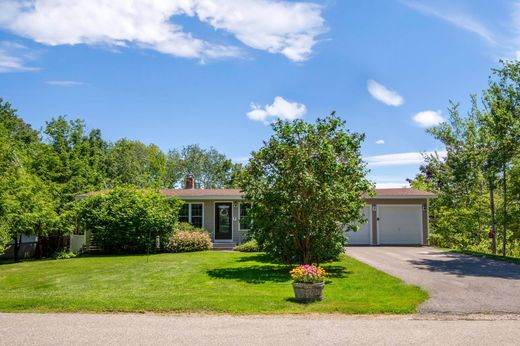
<point x="400" y="224"/>
<point x="361" y="237"/>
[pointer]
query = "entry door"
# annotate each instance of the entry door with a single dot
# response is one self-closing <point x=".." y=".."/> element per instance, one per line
<point x="223" y="223"/>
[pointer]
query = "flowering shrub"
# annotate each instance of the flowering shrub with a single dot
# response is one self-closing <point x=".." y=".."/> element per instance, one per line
<point x="184" y="241"/>
<point x="308" y="274"/>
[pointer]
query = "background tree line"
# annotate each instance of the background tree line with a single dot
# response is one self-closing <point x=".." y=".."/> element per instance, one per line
<point x="41" y="172"/>
<point x="478" y="182"/>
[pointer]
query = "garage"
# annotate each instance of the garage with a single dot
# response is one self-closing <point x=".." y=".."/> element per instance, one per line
<point x="395" y="216"/>
<point x="400" y="224"/>
<point x="362" y="236"/>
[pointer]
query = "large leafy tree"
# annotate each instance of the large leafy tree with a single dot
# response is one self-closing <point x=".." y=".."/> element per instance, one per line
<point x="306" y="185"/>
<point x="26" y="202"/>
<point x="209" y="167"/>
<point x="135" y="163"/>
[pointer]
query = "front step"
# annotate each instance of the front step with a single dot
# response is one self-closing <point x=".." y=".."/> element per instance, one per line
<point x="223" y="246"/>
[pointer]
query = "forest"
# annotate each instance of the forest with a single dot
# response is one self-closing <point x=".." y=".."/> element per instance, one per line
<point x="478" y="179"/>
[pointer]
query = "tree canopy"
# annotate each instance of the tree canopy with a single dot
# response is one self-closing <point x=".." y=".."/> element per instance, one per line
<point x="477" y="182"/>
<point x="306" y="186"/>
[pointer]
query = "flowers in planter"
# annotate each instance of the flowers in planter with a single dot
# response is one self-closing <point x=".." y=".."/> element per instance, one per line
<point x="308" y="274"/>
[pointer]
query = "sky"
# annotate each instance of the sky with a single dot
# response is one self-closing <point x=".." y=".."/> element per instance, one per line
<point x="218" y="72"/>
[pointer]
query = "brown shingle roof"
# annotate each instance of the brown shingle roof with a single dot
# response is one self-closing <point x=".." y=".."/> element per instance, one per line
<point x="235" y="193"/>
<point x="393" y="192"/>
<point x="403" y="191"/>
<point x="201" y="192"/>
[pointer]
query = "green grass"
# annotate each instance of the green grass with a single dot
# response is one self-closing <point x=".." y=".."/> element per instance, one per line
<point x="487" y="255"/>
<point x="212" y="281"/>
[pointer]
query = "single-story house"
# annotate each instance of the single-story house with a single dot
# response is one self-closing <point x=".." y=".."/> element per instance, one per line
<point x="396" y="216"/>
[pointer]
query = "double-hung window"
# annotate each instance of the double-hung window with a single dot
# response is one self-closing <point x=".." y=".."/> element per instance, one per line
<point x="245" y="221"/>
<point x="192" y="213"/>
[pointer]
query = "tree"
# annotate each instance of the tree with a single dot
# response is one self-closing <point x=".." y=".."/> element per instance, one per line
<point x="26" y="203"/>
<point x="483" y="149"/>
<point x="135" y="163"/>
<point x="306" y="185"/>
<point x="502" y="124"/>
<point x="210" y="168"/>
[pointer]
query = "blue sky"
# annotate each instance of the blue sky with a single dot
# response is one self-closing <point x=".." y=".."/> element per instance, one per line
<point x="216" y="72"/>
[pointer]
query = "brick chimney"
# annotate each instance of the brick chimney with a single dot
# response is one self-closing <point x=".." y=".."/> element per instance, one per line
<point x="190" y="182"/>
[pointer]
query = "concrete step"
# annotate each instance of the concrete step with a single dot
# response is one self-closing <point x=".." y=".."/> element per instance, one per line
<point x="223" y="246"/>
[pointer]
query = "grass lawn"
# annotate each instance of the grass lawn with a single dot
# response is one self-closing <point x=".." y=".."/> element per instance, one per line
<point x="211" y="281"/>
<point x="487" y="255"/>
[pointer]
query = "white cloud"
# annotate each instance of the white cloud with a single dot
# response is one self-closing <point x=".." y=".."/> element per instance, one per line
<point x="280" y="108"/>
<point x="428" y="118"/>
<point x="64" y="83"/>
<point x="380" y="141"/>
<point x="288" y="28"/>
<point x="461" y="20"/>
<point x="383" y="94"/>
<point x="14" y="57"/>
<point x="399" y="159"/>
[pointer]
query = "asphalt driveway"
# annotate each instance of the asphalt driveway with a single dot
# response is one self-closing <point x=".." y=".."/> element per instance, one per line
<point x="457" y="283"/>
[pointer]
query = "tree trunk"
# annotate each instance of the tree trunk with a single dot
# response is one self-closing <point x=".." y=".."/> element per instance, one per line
<point x="504" y="226"/>
<point x="493" y="222"/>
<point x="17" y="245"/>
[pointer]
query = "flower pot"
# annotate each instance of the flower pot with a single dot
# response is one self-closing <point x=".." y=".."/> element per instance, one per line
<point x="307" y="293"/>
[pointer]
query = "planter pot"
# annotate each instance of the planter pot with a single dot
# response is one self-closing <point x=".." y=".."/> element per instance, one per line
<point x="307" y="293"/>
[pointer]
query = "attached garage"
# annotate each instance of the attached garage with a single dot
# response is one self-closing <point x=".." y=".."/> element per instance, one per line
<point x="399" y="224"/>
<point x="363" y="236"/>
<point x="394" y="217"/>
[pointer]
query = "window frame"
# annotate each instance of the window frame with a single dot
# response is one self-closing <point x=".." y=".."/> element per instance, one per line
<point x="190" y="212"/>
<point x="240" y="216"/>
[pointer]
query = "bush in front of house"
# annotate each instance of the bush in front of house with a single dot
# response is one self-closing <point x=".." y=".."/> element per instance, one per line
<point x="189" y="241"/>
<point x="188" y="227"/>
<point x="248" y="246"/>
<point x="129" y="220"/>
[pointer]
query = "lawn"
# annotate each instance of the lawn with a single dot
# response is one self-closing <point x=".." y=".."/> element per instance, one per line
<point x="223" y="282"/>
<point x="487" y="255"/>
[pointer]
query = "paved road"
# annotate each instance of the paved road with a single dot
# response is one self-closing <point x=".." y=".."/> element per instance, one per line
<point x="456" y="283"/>
<point x="133" y="329"/>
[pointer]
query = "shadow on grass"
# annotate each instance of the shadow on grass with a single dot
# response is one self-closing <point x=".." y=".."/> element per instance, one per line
<point x="259" y="274"/>
<point x="258" y="257"/>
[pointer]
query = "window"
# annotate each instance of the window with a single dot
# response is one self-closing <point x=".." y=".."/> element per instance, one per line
<point x="196" y="215"/>
<point x="245" y="222"/>
<point x="192" y="213"/>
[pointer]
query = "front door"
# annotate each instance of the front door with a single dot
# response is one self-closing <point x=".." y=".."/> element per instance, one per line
<point x="223" y="223"/>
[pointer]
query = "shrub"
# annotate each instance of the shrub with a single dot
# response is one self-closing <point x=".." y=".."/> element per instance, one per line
<point x="63" y="254"/>
<point x="308" y="274"/>
<point x="128" y="220"/>
<point x="248" y="246"/>
<point x="184" y="241"/>
<point x="188" y="227"/>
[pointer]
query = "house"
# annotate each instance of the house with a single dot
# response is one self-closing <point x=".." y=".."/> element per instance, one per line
<point x="397" y="216"/>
